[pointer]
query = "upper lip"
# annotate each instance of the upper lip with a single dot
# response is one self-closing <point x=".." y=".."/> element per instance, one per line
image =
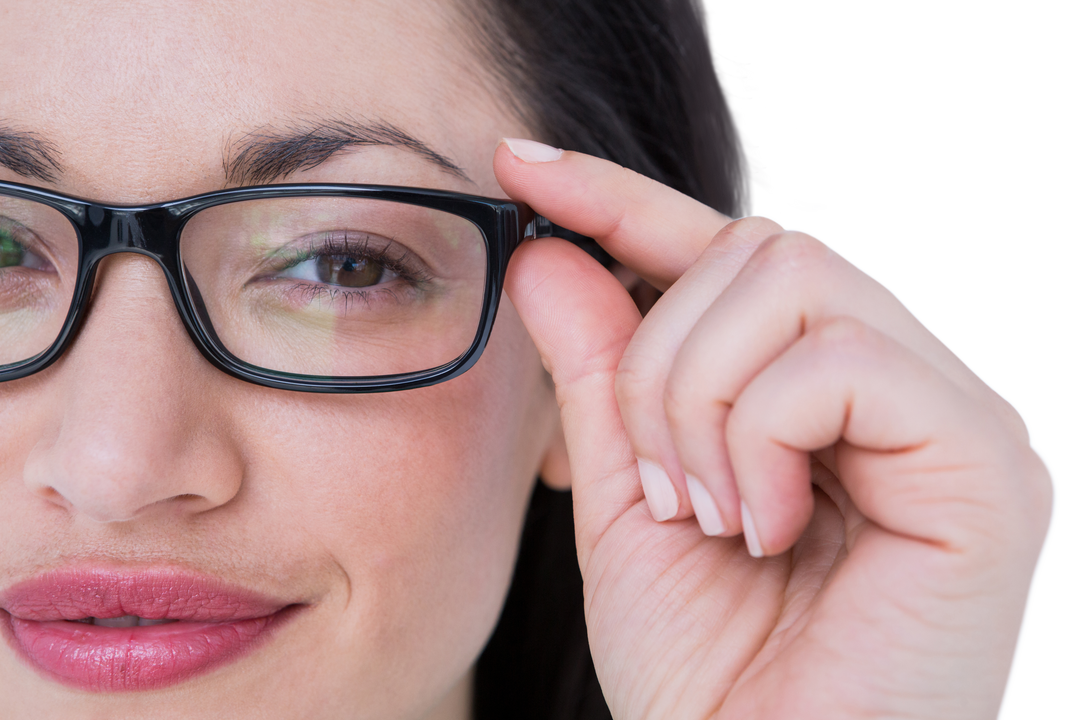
<point x="155" y="594"/>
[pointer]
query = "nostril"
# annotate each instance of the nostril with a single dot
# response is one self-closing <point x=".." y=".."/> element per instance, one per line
<point x="52" y="495"/>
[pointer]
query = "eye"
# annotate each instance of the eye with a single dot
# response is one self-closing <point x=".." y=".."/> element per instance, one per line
<point x="15" y="254"/>
<point x="340" y="270"/>
<point x="348" y="271"/>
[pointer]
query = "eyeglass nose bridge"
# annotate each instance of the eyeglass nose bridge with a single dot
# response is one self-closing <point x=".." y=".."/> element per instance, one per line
<point x="125" y="232"/>
<point x="145" y="231"/>
<point x="152" y="232"/>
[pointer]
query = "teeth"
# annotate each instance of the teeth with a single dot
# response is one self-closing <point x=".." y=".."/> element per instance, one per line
<point x="125" y="621"/>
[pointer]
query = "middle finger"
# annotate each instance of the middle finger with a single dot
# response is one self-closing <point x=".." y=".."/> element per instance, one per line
<point x="647" y="361"/>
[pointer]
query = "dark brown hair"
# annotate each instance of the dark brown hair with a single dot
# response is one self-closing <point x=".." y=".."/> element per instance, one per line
<point x="631" y="81"/>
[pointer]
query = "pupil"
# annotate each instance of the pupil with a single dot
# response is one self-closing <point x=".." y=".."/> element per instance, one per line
<point x="347" y="271"/>
<point x="11" y="252"/>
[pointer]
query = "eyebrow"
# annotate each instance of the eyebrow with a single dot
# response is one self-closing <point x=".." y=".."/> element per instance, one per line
<point x="28" y="155"/>
<point x="268" y="154"/>
<point x="259" y="157"/>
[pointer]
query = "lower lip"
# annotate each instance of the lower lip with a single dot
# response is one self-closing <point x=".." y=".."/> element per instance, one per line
<point x="104" y="659"/>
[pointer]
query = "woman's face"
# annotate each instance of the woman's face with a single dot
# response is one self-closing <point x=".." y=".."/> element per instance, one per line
<point x="391" y="519"/>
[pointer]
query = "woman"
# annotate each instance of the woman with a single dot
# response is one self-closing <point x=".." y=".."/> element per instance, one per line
<point x="789" y="499"/>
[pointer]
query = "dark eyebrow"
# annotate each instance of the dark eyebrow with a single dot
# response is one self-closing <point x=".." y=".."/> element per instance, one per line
<point x="267" y="154"/>
<point x="29" y="155"/>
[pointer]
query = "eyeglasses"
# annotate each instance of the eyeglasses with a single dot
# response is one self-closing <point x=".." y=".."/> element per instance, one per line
<point x="322" y="288"/>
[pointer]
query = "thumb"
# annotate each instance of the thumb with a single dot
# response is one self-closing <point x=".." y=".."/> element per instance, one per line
<point x="581" y="319"/>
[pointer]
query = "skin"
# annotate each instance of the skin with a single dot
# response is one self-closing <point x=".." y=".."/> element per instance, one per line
<point x="896" y="498"/>
<point x="133" y="451"/>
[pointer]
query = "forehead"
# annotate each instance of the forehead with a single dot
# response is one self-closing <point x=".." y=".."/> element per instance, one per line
<point x="125" y="90"/>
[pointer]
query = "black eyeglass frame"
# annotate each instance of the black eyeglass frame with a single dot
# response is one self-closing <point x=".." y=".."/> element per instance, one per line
<point x="154" y="231"/>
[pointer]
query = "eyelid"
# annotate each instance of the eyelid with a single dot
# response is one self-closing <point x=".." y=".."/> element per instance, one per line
<point x="30" y="240"/>
<point x="404" y="262"/>
<point x="17" y="228"/>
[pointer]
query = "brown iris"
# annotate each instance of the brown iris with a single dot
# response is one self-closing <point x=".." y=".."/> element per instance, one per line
<point x="347" y="271"/>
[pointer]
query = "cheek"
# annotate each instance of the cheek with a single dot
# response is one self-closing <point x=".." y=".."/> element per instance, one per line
<point x="418" y="496"/>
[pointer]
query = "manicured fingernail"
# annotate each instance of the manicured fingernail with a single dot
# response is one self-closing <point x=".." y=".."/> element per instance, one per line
<point x="753" y="542"/>
<point x="659" y="492"/>
<point x="531" y="151"/>
<point x="708" y="515"/>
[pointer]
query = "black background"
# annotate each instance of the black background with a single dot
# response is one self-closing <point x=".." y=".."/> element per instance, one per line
<point x="916" y="130"/>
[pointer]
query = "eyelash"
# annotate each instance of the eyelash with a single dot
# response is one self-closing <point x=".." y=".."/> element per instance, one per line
<point x="346" y="244"/>
<point x="27" y="240"/>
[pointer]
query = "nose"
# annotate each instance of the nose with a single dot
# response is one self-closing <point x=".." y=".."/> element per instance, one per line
<point x="132" y="426"/>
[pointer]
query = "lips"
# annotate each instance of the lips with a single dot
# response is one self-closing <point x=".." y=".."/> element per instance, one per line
<point x="108" y="631"/>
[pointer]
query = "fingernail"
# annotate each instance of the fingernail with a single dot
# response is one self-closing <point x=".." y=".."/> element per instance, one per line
<point x="708" y="515"/>
<point x="531" y="151"/>
<point x="659" y="492"/>
<point x="753" y="542"/>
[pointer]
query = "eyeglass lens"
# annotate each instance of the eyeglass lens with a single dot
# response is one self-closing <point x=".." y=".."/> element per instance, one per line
<point x="322" y="286"/>
<point x="39" y="256"/>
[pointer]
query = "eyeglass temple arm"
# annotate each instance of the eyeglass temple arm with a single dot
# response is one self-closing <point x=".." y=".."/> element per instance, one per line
<point x="541" y="227"/>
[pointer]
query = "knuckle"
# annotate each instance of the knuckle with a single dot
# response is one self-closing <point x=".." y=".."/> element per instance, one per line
<point x="798" y="250"/>
<point x="680" y="399"/>
<point x="1038" y="490"/>
<point x="626" y="183"/>
<point x="753" y="228"/>
<point x="793" y="253"/>
<point x="1010" y="515"/>
<point x="637" y="379"/>
<point x="842" y="328"/>
<point x="845" y="337"/>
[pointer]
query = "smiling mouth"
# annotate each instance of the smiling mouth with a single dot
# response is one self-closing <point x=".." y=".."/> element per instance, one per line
<point x="105" y="631"/>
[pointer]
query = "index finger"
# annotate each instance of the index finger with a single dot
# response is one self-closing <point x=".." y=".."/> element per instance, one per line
<point x="653" y="229"/>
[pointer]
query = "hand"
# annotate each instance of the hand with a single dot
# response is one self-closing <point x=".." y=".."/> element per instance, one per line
<point x="786" y="396"/>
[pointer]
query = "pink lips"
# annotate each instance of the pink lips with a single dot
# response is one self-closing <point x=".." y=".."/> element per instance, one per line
<point x="213" y="624"/>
